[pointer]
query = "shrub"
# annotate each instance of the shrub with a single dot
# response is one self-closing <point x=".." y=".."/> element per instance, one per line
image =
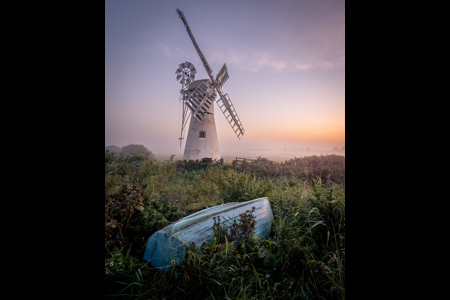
<point x="139" y="150"/>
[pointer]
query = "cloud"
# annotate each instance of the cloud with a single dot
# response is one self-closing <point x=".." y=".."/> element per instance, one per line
<point x="290" y="47"/>
<point x="265" y="58"/>
<point x="302" y="66"/>
<point x="247" y="59"/>
<point x="166" y="49"/>
<point x="322" y="47"/>
<point x="251" y="60"/>
<point x="146" y="50"/>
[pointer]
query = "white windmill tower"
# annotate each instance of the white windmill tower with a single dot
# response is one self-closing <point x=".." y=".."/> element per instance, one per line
<point x="198" y="99"/>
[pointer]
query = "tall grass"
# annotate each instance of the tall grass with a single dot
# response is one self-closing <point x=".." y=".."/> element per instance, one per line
<point x="303" y="258"/>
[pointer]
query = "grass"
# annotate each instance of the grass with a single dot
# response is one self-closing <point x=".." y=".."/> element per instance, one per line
<point x="304" y="257"/>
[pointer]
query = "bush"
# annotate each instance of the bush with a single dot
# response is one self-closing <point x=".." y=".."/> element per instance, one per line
<point x="138" y="150"/>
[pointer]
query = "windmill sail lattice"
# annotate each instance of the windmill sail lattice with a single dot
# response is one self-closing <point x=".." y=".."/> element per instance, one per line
<point x="222" y="76"/>
<point x="200" y="100"/>
<point x="230" y="114"/>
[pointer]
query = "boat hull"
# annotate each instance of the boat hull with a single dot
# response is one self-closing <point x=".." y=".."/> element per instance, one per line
<point x="168" y="243"/>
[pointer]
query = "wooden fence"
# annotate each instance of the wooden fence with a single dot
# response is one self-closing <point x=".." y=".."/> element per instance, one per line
<point x="242" y="159"/>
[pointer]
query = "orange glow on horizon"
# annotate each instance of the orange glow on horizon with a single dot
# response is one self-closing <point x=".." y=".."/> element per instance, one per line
<point x="310" y="136"/>
<point x="320" y="133"/>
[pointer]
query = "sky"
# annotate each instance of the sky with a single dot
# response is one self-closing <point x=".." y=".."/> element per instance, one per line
<point x="285" y="59"/>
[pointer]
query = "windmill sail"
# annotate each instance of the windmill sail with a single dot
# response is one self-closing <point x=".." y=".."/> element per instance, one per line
<point x="222" y="76"/>
<point x="200" y="100"/>
<point x="230" y="114"/>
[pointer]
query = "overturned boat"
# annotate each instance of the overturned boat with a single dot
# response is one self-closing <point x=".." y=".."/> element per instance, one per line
<point x="168" y="243"/>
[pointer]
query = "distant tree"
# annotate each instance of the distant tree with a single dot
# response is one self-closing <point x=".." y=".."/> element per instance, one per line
<point x="133" y="149"/>
<point x="335" y="149"/>
<point x="114" y="149"/>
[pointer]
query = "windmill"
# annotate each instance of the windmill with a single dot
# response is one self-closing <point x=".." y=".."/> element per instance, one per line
<point x="198" y="99"/>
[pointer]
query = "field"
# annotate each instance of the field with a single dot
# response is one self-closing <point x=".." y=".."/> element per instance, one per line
<point x="304" y="257"/>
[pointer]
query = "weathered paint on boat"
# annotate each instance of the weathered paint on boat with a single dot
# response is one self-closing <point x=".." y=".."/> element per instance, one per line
<point x="167" y="243"/>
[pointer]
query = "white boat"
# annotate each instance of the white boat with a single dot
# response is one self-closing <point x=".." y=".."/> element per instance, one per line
<point x="168" y="243"/>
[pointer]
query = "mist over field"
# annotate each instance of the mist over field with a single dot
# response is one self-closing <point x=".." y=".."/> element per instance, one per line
<point x="281" y="154"/>
<point x="276" y="153"/>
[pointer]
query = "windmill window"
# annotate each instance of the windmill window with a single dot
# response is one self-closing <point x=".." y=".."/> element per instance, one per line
<point x="202" y="134"/>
